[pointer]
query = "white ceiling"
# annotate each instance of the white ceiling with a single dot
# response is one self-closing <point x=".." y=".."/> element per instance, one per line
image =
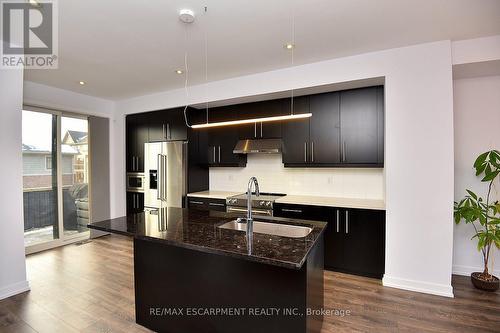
<point x="126" y="48"/>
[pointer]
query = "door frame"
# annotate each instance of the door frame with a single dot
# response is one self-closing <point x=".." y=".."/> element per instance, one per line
<point x="62" y="239"/>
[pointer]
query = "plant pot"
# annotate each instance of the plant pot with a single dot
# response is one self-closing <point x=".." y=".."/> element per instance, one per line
<point x="480" y="283"/>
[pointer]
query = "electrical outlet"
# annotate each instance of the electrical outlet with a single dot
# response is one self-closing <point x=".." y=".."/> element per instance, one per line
<point x="230" y="178"/>
<point x="330" y="180"/>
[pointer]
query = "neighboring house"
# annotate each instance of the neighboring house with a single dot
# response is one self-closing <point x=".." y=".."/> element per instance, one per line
<point x="38" y="164"/>
<point x="79" y="141"/>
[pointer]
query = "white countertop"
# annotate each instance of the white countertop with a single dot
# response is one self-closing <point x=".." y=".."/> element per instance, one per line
<point x="333" y="202"/>
<point x="213" y="194"/>
<point x="304" y="200"/>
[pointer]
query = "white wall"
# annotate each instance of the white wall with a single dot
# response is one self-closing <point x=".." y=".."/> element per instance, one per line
<point x="274" y="177"/>
<point x="477" y="129"/>
<point x="419" y="136"/>
<point x="12" y="261"/>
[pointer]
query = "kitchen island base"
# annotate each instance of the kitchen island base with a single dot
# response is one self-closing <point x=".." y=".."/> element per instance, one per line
<point x="183" y="290"/>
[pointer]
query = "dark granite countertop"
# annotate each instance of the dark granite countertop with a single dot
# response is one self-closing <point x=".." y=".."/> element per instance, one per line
<point x="198" y="230"/>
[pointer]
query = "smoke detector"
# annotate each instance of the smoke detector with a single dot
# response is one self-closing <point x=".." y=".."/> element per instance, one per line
<point x="186" y="15"/>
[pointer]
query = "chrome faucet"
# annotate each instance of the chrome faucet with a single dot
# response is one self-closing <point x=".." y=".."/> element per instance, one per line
<point x="249" y="221"/>
<point x="252" y="181"/>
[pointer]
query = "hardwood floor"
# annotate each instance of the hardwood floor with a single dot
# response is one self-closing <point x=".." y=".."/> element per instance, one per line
<point x="89" y="288"/>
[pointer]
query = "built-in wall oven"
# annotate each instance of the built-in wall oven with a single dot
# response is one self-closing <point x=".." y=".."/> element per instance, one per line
<point x="135" y="182"/>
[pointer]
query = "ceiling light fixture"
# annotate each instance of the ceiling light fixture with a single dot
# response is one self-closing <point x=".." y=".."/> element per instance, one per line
<point x="186" y="15"/>
<point x="179" y="71"/>
<point x="82" y="83"/>
<point x="253" y="120"/>
<point x="289" y="46"/>
<point x="35" y="3"/>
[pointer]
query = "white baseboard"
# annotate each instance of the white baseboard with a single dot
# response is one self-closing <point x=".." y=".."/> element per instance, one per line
<point x="467" y="270"/>
<point x="418" y="286"/>
<point x="14" y="289"/>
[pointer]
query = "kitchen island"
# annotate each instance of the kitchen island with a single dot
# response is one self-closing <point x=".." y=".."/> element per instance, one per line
<point x="193" y="276"/>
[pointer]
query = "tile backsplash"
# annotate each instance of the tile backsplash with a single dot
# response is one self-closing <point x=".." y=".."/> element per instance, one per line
<point x="364" y="183"/>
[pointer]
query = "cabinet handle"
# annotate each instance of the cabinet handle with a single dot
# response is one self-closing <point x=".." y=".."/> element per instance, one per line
<point x="163" y="131"/>
<point x="196" y="202"/>
<point x="133" y="163"/>
<point x="219" y="154"/>
<point x="312" y="151"/>
<point x="169" y="132"/>
<point x="292" y="210"/>
<point x="343" y="151"/>
<point x="214" y="154"/>
<point x="346" y="222"/>
<point x="255" y="130"/>
<point x="338" y="220"/>
<point x="216" y="204"/>
<point x="305" y="151"/>
<point x="261" y="129"/>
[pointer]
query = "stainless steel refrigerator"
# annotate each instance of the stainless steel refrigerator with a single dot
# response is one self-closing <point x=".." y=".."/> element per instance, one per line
<point x="165" y="168"/>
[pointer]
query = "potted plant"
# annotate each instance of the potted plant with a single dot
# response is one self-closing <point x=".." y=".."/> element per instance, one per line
<point x="484" y="217"/>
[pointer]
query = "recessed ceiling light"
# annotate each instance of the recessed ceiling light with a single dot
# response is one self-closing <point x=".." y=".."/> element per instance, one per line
<point x="179" y="71"/>
<point x="82" y="83"/>
<point x="289" y="46"/>
<point x="35" y="3"/>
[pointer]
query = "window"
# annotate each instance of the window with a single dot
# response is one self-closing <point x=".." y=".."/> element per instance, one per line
<point x="55" y="179"/>
<point x="48" y="162"/>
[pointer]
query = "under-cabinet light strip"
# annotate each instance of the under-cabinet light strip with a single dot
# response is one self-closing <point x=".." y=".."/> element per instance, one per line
<point x="254" y="120"/>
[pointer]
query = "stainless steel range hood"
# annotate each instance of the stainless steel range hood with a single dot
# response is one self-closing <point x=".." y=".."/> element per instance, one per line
<point x="258" y="146"/>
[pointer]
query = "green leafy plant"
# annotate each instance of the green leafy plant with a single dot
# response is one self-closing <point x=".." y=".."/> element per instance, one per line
<point x="484" y="215"/>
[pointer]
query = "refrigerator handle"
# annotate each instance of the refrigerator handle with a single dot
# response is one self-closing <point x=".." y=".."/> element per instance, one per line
<point x="159" y="178"/>
<point x="165" y="166"/>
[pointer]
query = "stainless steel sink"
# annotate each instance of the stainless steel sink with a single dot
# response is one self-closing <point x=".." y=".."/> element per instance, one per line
<point x="277" y="229"/>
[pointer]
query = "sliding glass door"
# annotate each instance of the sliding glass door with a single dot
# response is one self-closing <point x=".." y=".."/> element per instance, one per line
<point x="55" y="179"/>
<point x="40" y="185"/>
<point x="75" y="170"/>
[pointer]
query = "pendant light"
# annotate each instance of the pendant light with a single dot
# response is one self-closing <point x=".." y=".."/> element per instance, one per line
<point x="289" y="47"/>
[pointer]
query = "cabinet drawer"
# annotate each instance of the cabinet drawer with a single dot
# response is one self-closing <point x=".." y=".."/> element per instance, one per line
<point x="305" y="212"/>
<point x="207" y="204"/>
<point x="197" y="203"/>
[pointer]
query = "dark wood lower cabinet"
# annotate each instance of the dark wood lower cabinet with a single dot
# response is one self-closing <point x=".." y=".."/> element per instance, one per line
<point x="176" y="288"/>
<point x="354" y="238"/>
<point x="135" y="202"/>
<point x="207" y="204"/>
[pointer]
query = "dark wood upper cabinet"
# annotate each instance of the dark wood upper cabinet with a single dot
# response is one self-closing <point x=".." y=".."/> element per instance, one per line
<point x="360" y="111"/>
<point x="346" y="129"/>
<point x="264" y="109"/>
<point x="325" y="128"/>
<point x="221" y="143"/>
<point x="296" y="134"/>
<point x="136" y="137"/>
<point x="167" y="125"/>
<point x="222" y="140"/>
<point x="380" y="125"/>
